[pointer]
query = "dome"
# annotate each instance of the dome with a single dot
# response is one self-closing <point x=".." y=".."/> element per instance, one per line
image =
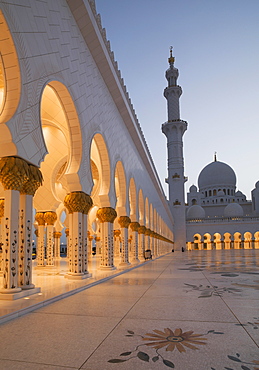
<point x="216" y="174"/>
<point x="233" y="210"/>
<point x="195" y="211"/>
<point x="193" y="189"/>
<point x="257" y="184"/>
<point x="221" y="193"/>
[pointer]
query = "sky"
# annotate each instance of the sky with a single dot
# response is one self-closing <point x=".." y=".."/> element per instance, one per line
<point x="216" y="49"/>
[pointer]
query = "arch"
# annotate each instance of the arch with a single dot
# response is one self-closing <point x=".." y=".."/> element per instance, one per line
<point x="217" y="241"/>
<point x="207" y="241"/>
<point x="10" y="86"/>
<point x="256" y="240"/>
<point x="120" y="189"/>
<point x="133" y="200"/>
<point x="227" y="241"/>
<point x="100" y="158"/>
<point x="147" y="213"/>
<point x="141" y="206"/>
<point x="237" y="240"/>
<point x="151" y="217"/>
<point x="197" y="244"/>
<point x="247" y="240"/>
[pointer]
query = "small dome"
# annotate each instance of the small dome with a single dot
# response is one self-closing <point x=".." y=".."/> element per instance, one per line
<point x="257" y="184"/>
<point x="216" y="174"/>
<point x="233" y="210"/>
<point x="239" y="194"/>
<point x="221" y="193"/>
<point x="195" y="212"/>
<point x="193" y="189"/>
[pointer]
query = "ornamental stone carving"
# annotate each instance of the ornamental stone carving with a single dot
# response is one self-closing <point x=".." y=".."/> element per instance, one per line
<point x="134" y="226"/>
<point x="1" y="208"/>
<point x="50" y="218"/>
<point x="106" y="214"/>
<point x="78" y="201"/>
<point x="147" y="232"/>
<point x="17" y="174"/>
<point x="142" y="229"/>
<point x="116" y="233"/>
<point x="124" y="221"/>
<point x="39" y="217"/>
<point x="57" y="234"/>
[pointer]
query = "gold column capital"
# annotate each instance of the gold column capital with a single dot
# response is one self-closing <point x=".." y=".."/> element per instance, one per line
<point x="39" y="217"/>
<point x="142" y="229"/>
<point x="124" y="221"/>
<point x="134" y="226"/>
<point x="116" y="233"/>
<point x="50" y="217"/>
<point x="147" y="232"/>
<point x="17" y="174"/>
<point x="36" y="232"/>
<point x="67" y="232"/>
<point x="1" y="208"/>
<point x="78" y="201"/>
<point x="57" y="234"/>
<point x="106" y="214"/>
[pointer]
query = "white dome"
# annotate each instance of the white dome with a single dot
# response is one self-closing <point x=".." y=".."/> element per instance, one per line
<point x="221" y="193"/>
<point x="257" y="184"/>
<point x="233" y="210"/>
<point x="216" y="174"/>
<point x="195" y="212"/>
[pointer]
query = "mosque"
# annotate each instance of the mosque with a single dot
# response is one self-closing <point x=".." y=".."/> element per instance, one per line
<point x="74" y="162"/>
<point x="218" y="216"/>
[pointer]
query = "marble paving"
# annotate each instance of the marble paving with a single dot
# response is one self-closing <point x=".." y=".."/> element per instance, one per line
<point x="196" y="310"/>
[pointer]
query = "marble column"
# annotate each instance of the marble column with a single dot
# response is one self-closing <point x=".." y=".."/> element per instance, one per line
<point x="124" y="222"/>
<point x="57" y="235"/>
<point x="1" y="232"/>
<point x="134" y="227"/>
<point x="50" y="218"/>
<point x="117" y="243"/>
<point x="39" y="217"/>
<point x="67" y="241"/>
<point x="107" y="216"/>
<point x="78" y="204"/>
<point x="141" y="245"/>
<point x="147" y="238"/>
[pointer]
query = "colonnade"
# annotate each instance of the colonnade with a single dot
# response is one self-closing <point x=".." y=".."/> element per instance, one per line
<point x="20" y="181"/>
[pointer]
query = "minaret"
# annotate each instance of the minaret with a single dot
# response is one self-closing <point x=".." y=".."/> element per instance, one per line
<point x="174" y="129"/>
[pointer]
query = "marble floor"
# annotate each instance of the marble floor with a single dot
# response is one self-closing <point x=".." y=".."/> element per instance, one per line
<point x="196" y="310"/>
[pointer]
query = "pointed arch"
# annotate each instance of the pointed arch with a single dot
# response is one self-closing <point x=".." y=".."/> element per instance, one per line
<point x="120" y="188"/>
<point x="133" y="200"/>
<point x="141" y="207"/>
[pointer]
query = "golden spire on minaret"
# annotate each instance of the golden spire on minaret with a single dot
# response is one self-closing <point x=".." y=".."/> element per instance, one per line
<point x="171" y="58"/>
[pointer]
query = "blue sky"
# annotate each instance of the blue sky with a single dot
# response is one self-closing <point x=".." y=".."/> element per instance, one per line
<point x="216" y="46"/>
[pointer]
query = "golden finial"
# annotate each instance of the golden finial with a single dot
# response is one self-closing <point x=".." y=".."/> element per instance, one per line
<point x="171" y="58"/>
<point x="215" y="157"/>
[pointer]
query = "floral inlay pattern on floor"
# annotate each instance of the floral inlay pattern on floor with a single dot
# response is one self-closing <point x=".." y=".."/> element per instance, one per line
<point x="210" y="290"/>
<point x="167" y="340"/>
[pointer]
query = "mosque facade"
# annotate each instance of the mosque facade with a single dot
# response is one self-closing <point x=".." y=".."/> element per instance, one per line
<point x="218" y="215"/>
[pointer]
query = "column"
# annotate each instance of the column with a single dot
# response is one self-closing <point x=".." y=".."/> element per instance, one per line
<point x="39" y="217"/>
<point x="1" y="232"/>
<point x="78" y="204"/>
<point x="50" y="218"/>
<point x="57" y="235"/>
<point x="117" y="243"/>
<point x="134" y="227"/>
<point x="67" y="241"/>
<point x="141" y="245"/>
<point x="107" y="216"/>
<point x="147" y="238"/>
<point x="124" y="222"/>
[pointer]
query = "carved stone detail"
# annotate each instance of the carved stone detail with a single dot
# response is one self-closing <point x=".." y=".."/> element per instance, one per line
<point x="106" y="214"/>
<point x="124" y="221"/>
<point x="142" y="229"/>
<point x="1" y="208"/>
<point x="134" y="226"/>
<point x="78" y="201"/>
<point x="39" y="217"/>
<point x="147" y="232"/>
<point x="50" y="218"/>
